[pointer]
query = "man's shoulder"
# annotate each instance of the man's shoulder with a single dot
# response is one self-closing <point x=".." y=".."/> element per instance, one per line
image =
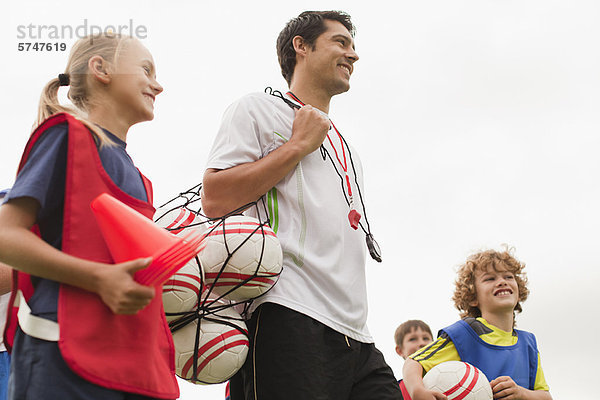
<point x="261" y="101"/>
<point x="260" y="98"/>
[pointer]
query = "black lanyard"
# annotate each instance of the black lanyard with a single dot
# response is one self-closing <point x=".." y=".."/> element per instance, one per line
<point x="353" y="216"/>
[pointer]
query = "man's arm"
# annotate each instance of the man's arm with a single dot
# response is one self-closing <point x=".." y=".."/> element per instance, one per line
<point x="229" y="189"/>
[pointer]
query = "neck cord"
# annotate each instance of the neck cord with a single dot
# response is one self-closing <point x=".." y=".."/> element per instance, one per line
<point x="353" y="216"/>
<point x="372" y="245"/>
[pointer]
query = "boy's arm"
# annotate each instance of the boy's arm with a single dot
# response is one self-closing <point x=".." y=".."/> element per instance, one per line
<point x="504" y="387"/>
<point x="412" y="374"/>
<point x="228" y="189"/>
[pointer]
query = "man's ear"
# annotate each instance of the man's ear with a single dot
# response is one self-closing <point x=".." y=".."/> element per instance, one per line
<point x="99" y="69"/>
<point x="300" y="45"/>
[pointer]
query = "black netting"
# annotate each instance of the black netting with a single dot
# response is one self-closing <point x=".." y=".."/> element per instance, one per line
<point x="210" y="305"/>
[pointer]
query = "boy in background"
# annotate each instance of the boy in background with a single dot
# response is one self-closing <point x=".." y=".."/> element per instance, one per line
<point x="411" y="336"/>
<point x="490" y="288"/>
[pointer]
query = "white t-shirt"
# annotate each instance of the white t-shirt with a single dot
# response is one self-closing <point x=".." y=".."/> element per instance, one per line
<point x="323" y="257"/>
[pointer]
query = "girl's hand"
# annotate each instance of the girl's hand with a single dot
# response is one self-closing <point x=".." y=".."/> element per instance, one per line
<point x="119" y="291"/>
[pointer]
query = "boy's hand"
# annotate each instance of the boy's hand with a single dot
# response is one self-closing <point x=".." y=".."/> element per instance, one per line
<point x="504" y="387"/>
<point x="119" y="291"/>
<point x="423" y="394"/>
<point x="413" y="379"/>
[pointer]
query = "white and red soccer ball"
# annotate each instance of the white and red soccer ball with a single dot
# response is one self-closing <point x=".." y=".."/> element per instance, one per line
<point x="181" y="292"/>
<point x="178" y="220"/>
<point x="458" y="380"/>
<point x="222" y="347"/>
<point x="242" y="258"/>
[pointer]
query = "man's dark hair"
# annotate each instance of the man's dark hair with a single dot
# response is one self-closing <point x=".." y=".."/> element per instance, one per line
<point x="310" y="25"/>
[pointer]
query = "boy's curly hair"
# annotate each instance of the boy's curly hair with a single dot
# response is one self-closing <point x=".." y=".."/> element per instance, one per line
<point x="464" y="292"/>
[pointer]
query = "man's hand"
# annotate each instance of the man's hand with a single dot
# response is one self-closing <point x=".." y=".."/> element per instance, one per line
<point x="309" y="129"/>
<point x="119" y="291"/>
<point x="228" y="189"/>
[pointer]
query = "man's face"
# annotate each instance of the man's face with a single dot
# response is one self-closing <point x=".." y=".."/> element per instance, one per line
<point x="330" y="61"/>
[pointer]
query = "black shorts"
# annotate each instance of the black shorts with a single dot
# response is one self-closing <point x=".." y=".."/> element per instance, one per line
<point x="294" y="357"/>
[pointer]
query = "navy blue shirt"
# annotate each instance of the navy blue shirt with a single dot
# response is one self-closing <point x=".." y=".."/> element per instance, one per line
<point x="43" y="178"/>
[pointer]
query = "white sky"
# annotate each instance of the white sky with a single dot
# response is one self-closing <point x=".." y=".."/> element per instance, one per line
<point x="477" y="123"/>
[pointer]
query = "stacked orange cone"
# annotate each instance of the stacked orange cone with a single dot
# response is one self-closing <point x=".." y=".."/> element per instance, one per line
<point x="130" y="235"/>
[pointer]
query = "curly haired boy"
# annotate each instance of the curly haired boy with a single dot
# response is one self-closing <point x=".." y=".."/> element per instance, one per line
<point x="490" y="287"/>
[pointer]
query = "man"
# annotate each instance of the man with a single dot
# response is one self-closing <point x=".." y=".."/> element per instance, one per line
<point x="308" y="335"/>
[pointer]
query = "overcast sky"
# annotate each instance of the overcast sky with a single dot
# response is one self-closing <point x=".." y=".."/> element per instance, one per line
<point x="477" y="123"/>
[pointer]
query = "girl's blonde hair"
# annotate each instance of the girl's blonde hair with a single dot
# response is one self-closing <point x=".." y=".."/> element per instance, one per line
<point x="464" y="292"/>
<point x="106" y="45"/>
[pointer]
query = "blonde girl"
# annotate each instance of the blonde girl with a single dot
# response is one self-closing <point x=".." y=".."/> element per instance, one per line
<point x="86" y="329"/>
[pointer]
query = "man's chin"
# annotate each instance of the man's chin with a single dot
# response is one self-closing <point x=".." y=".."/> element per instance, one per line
<point x="339" y="89"/>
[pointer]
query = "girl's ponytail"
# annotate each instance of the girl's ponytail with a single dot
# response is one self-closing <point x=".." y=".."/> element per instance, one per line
<point x="49" y="104"/>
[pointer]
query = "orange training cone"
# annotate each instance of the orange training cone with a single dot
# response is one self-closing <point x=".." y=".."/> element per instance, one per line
<point x="129" y="234"/>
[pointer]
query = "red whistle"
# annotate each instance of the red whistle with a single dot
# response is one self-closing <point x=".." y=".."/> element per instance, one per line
<point x="354" y="217"/>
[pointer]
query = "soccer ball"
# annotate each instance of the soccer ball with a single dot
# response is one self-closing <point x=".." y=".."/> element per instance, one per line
<point x="254" y="265"/>
<point x="181" y="292"/>
<point x="222" y="347"/>
<point x="458" y="380"/>
<point x="178" y="220"/>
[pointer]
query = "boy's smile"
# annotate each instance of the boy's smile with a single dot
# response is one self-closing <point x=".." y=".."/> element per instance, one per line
<point x="503" y="292"/>
<point x="496" y="290"/>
